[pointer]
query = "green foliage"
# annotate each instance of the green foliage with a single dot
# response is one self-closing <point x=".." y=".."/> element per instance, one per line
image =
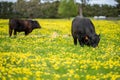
<point x="26" y="9"/>
<point x="118" y="1"/>
<point x="49" y="10"/>
<point x="96" y="10"/>
<point x="118" y="6"/>
<point x="20" y="7"/>
<point x="6" y="9"/>
<point x="56" y="9"/>
<point x="67" y="8"/>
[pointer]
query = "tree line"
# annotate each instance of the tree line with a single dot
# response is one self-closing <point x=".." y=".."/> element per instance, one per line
<point x="56" y="9"/>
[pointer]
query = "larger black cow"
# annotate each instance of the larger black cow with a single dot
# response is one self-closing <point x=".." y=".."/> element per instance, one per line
<point x="84" y="30"/>
<point x="22" y="26"/>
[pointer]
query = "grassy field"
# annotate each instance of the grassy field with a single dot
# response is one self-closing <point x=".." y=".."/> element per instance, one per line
<point x="49" y="54"/>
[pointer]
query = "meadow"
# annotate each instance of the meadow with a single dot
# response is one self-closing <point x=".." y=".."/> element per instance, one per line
<point x="49" y="53"/>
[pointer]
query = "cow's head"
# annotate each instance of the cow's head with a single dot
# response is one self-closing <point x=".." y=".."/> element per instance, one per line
<point x="92" y="40"/>
<point x="35" y="24"/>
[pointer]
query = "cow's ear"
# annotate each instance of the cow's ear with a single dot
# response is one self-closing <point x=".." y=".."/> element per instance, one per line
<point x="86" y="37"/>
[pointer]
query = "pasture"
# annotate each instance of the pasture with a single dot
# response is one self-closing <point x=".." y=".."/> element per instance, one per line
<point x="49" y="53"/>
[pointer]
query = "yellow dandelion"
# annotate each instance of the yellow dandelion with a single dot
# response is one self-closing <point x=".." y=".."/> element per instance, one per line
<point x="19" y="78"/>
<point x="56" y="76"/>
<point x="71" y="71"/>
<point x="88" y="77"/>
<point x="25" y="78"/>
<point x="38" y="73"/>
<point x="4" y="78"/>
<point x="76" y="76"/>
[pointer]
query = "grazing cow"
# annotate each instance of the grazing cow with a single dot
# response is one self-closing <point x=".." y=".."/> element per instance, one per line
<point x="22" y="26"/>
<point x="84" y="30"/>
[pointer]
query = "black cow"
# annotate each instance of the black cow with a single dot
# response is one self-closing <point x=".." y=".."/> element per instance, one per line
<point x="22" y="26"/>
<point x="84" y="30"/>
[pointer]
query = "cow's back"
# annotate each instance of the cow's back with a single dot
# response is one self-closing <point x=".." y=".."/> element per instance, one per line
<point x="82" y="25"/>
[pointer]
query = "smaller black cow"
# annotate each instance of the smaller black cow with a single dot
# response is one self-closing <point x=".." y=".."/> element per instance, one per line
<point x="83" y="30"/>
<point x="22" y="26"/>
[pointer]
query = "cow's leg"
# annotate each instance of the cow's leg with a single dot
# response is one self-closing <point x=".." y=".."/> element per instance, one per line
<point x="74" y="35"/>
<point x="10" y="32"/>
<point x="26" y="33"/>
<point x="81" y="43"/>
<point x="15" y="32"/>
<point x="75" y="40"/>
<point x="80" y="40"/>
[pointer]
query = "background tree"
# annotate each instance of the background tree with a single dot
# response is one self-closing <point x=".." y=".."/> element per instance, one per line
<point x="6" y="10"/>
<point x="49" y="10"/>
<point x="67" y="8"/>
<point x="21" y="7"/>
<point x="81" y="6"/>
<point x="33" y="8"/>
<point x="118" y="6"/>
<point x="28" y="8"/>
<point x="118" y="1"/>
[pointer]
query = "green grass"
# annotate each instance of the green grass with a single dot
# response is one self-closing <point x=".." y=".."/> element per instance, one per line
<point x="49" y="53"/>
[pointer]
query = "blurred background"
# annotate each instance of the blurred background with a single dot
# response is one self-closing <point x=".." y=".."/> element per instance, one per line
<point x="98" y="9"/>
